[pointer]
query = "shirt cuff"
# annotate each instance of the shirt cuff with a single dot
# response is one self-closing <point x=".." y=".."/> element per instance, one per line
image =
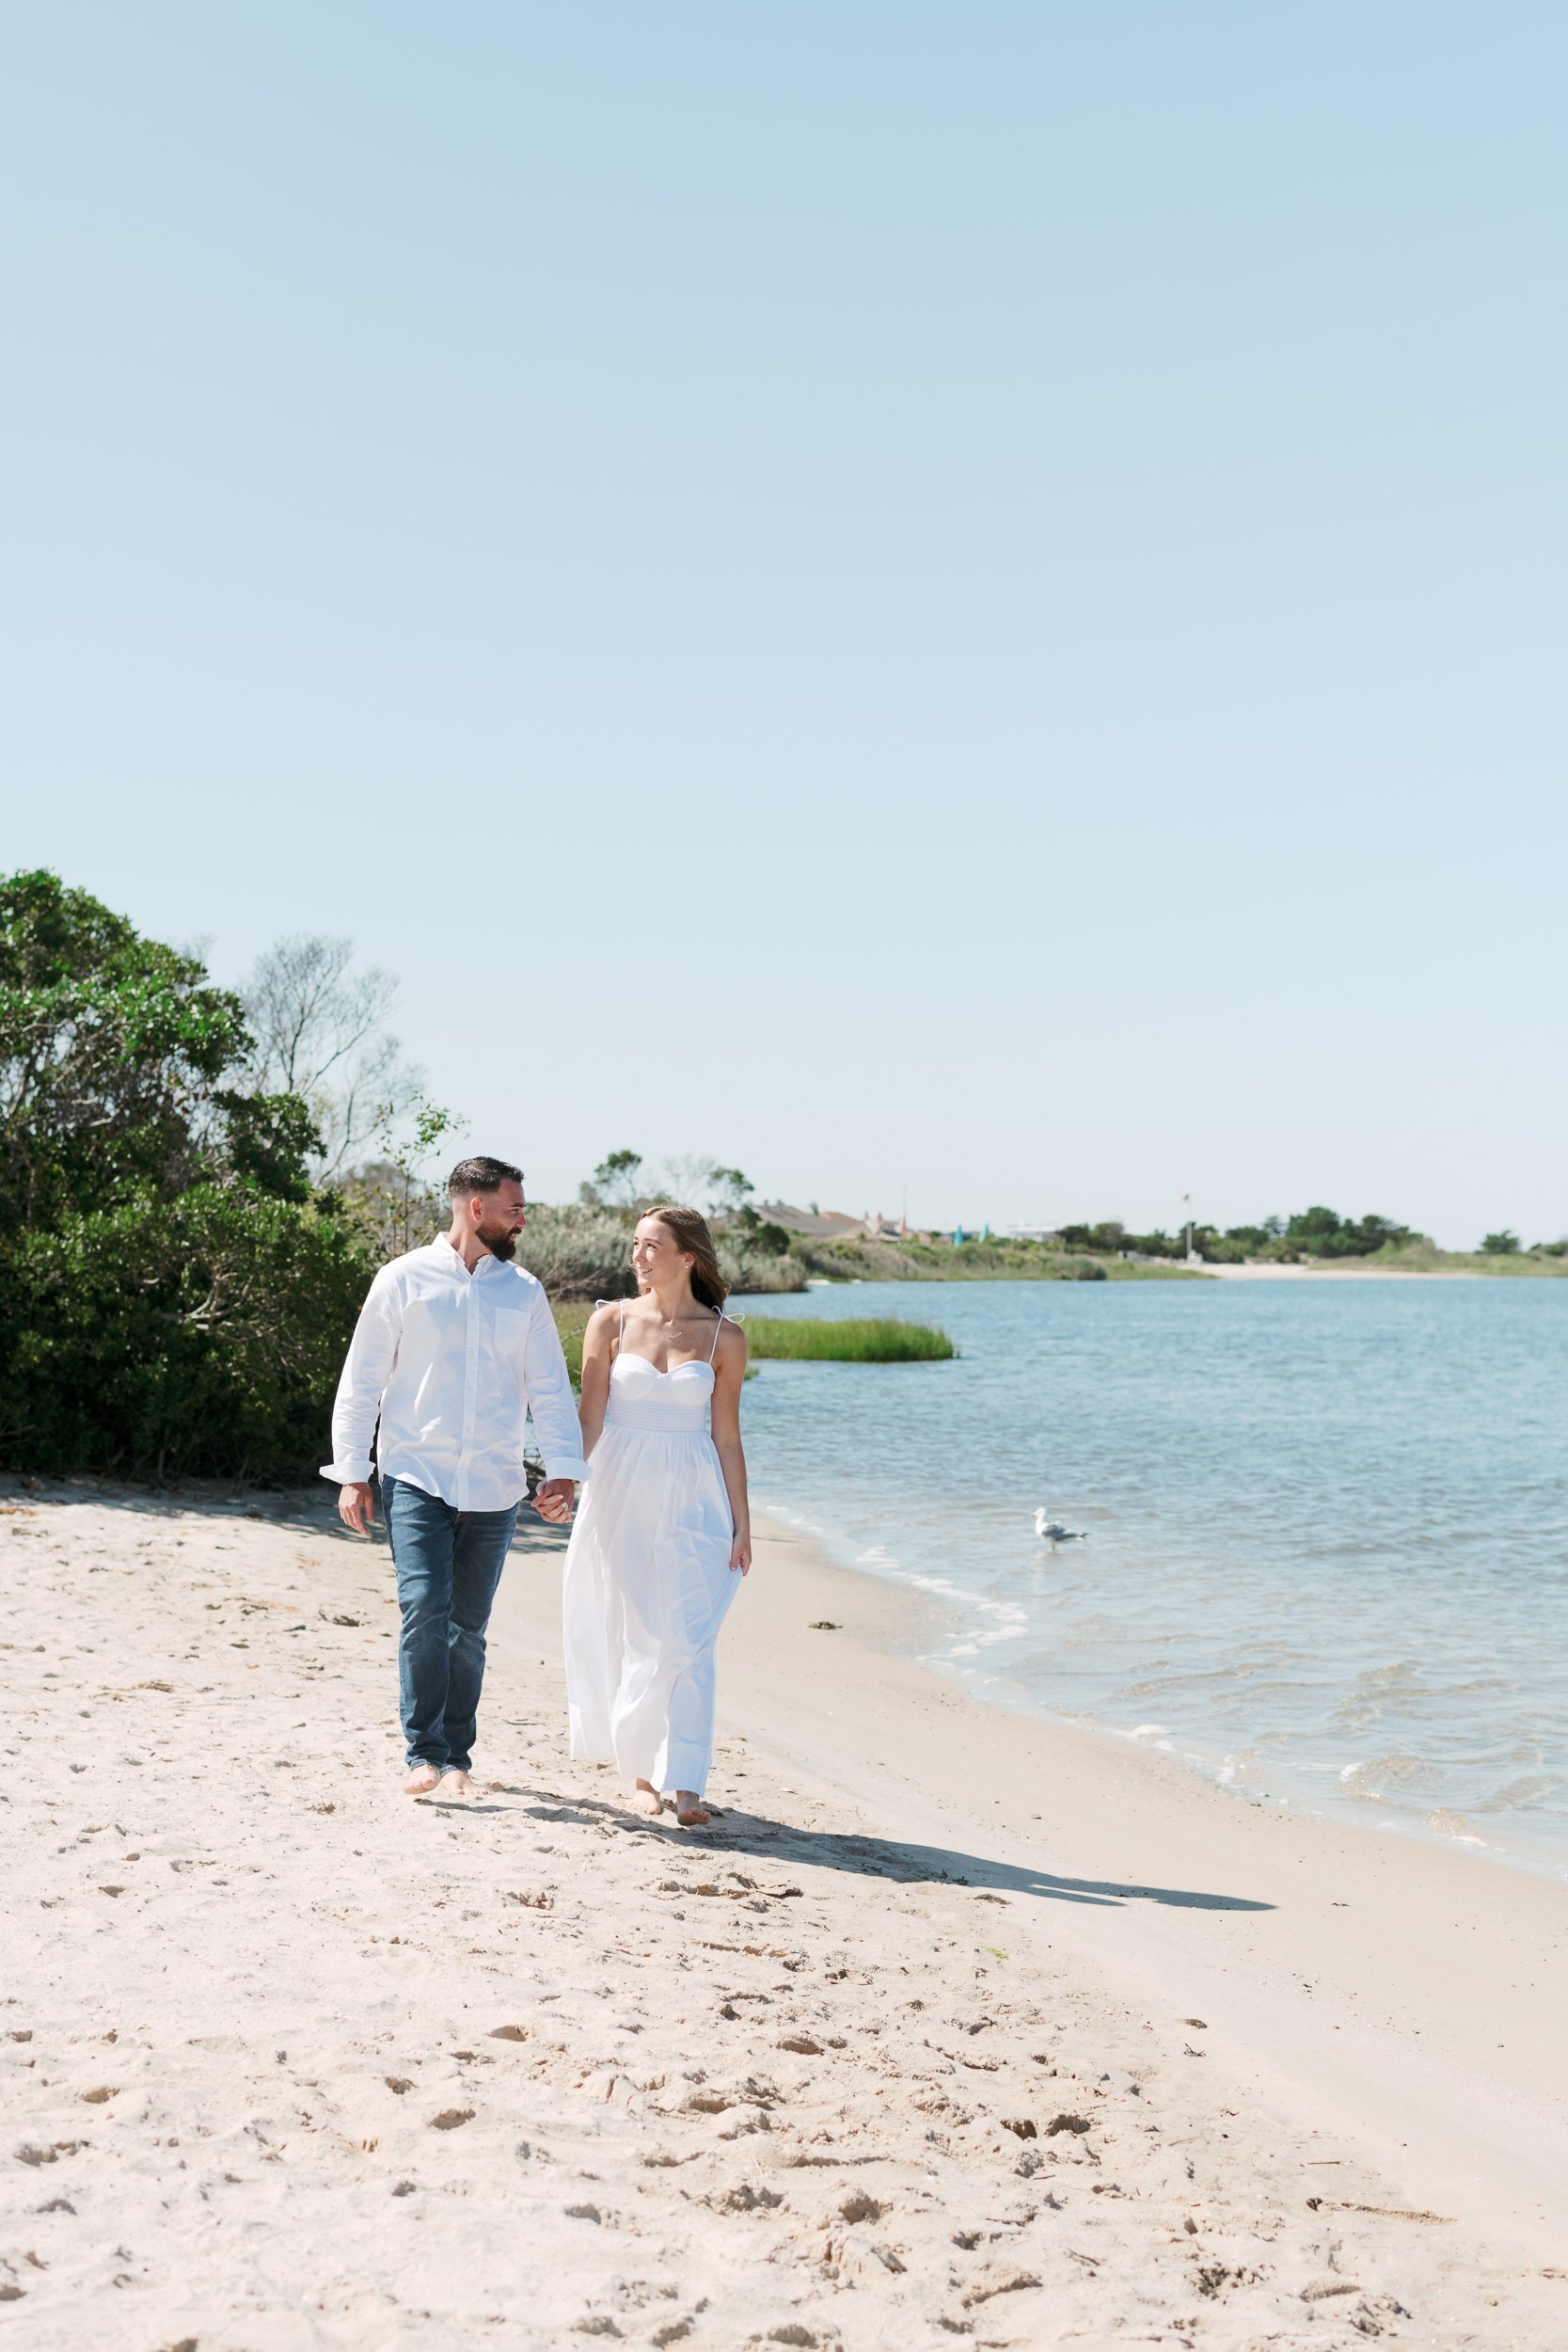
<point x="347" y="1473"/>
<point x="565" y="1466"/>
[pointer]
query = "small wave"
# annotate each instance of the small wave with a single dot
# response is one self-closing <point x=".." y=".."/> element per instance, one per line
<point x="1406" y="1674"/>
<point x="1387" y="1779"/>
<point x="1525" y="1795"/>
<point x="1240" y="1767"/>
<point x="1448" y="1824"/>
<point x="1257" y="1679"/>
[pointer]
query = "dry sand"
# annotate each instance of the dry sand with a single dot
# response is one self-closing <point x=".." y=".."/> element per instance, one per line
<point x="955" y="2027"/>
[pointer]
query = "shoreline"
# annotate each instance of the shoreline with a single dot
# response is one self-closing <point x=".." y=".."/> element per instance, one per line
<point x="955" y="2022"/>
<point x="1522" y="1269"/>
<point x="950" y="1614"/>
<point x="1361" y="1274"/>
<point x="1446" y="1947"/>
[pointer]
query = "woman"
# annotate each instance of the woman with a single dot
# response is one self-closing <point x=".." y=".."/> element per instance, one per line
<point x="664" y="1533"/>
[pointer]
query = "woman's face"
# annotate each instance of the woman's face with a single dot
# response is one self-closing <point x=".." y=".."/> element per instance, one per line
<point x="654" y="1259"/>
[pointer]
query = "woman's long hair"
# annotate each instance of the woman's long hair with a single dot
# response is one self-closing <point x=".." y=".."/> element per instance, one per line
<point x="689" y="1227"/>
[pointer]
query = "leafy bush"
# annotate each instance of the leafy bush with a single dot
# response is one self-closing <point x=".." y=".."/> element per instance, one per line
<point x="1106" y="1236"/>
<point x="1503" y="1245"/>
<point x="746" y="1267"/>
<point x="172" y="1298"/>
<point x="579" y="1251"/>
<point x="203" y="1334"/>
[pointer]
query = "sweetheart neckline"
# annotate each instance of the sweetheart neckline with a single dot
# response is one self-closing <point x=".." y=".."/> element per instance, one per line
<point x="693" y="1363"/>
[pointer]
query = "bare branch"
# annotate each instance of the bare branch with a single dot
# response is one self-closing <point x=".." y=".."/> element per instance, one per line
<point x="320" y="1033"/>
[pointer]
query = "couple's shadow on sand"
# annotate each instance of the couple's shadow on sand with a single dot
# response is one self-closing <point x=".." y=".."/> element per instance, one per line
<point x="734" y="1832"/>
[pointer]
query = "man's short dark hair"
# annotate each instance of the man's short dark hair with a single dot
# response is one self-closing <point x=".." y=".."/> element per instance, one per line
<point x="482" y="1175"/>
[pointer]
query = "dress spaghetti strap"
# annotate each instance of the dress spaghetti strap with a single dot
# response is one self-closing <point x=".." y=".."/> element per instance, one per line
<point x="717" y="1329"/>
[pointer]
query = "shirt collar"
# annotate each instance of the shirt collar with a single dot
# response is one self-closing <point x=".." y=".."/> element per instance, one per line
<point x="453" y="1258"/>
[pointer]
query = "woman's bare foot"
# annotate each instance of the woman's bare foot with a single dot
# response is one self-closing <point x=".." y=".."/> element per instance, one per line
<point x="456" y="1782"/>
<point x="646" y="1799"/>
<point x="691" y="1812"/>
<point x="422" y="1779"/>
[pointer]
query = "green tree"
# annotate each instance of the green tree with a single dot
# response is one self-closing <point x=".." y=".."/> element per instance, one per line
<point x="729" y="1191"/>
<point x="1503" y="1245"/>
<point x="111" y="1047"/>
<point x="172" y="1294"/>
<point x="1321" y="1233"/>
<point x="410" y="1130"/>
<point x="318" y="1027"/>
<point x="616" y="1182"/>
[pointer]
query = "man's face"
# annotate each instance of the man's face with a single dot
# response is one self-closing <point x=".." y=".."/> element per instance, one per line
<point x="500" y="1216"/>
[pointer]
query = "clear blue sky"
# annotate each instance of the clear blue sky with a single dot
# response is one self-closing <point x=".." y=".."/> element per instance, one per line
<point x="961" y="594"/>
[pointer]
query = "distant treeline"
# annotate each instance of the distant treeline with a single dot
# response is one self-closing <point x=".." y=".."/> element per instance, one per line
<point x="1315" y="1234"/>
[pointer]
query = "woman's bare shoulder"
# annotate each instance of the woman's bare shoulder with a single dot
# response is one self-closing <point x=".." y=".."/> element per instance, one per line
<point x="732" y="1342"/>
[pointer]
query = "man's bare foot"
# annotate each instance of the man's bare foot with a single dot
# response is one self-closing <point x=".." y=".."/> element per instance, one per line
<point x="456" y="1782"/>
<point x="422" y="1779"/>
<point x="646" y="1799"/>
<point x="691" y="1812"/>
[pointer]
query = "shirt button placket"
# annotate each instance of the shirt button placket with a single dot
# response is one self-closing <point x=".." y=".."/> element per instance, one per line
<point x="470" y="1393"/>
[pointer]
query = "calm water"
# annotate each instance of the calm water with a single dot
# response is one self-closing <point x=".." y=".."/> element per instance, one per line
<point x="1328" y="1524"/>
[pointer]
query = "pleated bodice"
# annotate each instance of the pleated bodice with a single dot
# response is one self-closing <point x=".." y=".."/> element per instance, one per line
<point x="672" y="1403"/>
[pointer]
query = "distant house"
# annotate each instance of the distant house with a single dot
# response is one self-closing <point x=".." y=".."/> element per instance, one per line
<point x="815" y="1225"/>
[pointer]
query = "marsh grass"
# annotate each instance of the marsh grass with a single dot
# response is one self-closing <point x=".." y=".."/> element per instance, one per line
<point x="571" y="1321"/>
<point x="870" y="1340"/>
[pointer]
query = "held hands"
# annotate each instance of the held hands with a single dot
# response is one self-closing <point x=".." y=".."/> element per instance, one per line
<point x="357" y="1509"/>
<point x="740" y="1555"/>
<point x="553" y="1501"/>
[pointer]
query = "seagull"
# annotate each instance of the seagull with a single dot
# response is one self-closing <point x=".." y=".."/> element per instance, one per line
<point x="1050" y="1531"/>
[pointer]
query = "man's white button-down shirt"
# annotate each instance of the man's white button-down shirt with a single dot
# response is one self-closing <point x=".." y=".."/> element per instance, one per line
<point x="454" y="1363"/>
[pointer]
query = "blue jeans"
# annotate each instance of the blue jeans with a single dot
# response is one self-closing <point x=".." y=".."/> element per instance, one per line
<point x="449" y="1564"/>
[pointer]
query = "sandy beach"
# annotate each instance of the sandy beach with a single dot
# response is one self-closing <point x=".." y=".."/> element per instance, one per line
<point x="956" y="2025"/>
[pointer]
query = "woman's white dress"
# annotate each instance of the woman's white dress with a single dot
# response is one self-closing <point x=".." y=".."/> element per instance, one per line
<point x="648" y="1580"/>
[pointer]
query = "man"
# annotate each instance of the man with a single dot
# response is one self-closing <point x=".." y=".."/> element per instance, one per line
<point x="453" y="1348"/>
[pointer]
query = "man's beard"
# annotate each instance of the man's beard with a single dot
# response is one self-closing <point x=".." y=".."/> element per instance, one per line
<point x="501" y="1241"/>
